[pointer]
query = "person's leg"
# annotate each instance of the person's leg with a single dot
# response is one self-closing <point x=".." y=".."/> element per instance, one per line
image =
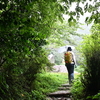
<point x="71" y="72"/>
<point x="70" y="68"/>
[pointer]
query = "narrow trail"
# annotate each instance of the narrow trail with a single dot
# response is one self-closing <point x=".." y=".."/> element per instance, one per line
<point x="63" y="93"/>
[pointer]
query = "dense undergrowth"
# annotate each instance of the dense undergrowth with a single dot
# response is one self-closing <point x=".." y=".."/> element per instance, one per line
<point x="87" y="86"/>
<point x="46" y="83"/>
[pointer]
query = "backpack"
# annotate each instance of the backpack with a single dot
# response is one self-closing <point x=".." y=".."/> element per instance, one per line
<point x="68" y="57"/>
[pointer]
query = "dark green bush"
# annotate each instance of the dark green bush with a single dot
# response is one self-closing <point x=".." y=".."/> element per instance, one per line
<point x="90" y="79"/>
<point x="91" y="73"/>
<point x="88" y="87"/>
<point x="17" y="76"/>
<point x="77" y="89"/>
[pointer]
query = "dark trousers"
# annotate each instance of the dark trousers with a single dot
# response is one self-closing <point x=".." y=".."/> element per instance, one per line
<point x="70" y="68"/>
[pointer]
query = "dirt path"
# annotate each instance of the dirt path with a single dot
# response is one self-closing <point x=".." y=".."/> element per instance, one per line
<point x="62" y="94"/>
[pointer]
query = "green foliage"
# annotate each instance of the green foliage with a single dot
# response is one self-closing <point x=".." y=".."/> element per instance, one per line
<point x="24" y="27"/>
<point x="87" y="86"/>
<point x="58" y="57"/>
<point x="79" y="68"/>
<point x="90" y="77"/>
<point x="16" y="80"/>
<point x="77" y="89"/>
<point x="94" y="97"/>
<point x="46" y="83"/>
<point x="97" y="96"/>
<point x="80" y="8"/>
<point x="62" y="33"/>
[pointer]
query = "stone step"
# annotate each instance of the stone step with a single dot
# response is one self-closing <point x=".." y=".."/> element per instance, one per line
<point x="66" y="85"/>
<point x="64" y="88"/>
<point x="62" y="93"/>
<point x="59" y="98"/>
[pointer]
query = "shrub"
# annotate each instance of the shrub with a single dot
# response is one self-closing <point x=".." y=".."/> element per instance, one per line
<point x="77" y="89"/>
<point x="90" y="77"/>
<point x="46" y="83"/>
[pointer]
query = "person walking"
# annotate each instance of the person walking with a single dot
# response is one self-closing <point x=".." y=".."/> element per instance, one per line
<point x="70" y="62"/>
